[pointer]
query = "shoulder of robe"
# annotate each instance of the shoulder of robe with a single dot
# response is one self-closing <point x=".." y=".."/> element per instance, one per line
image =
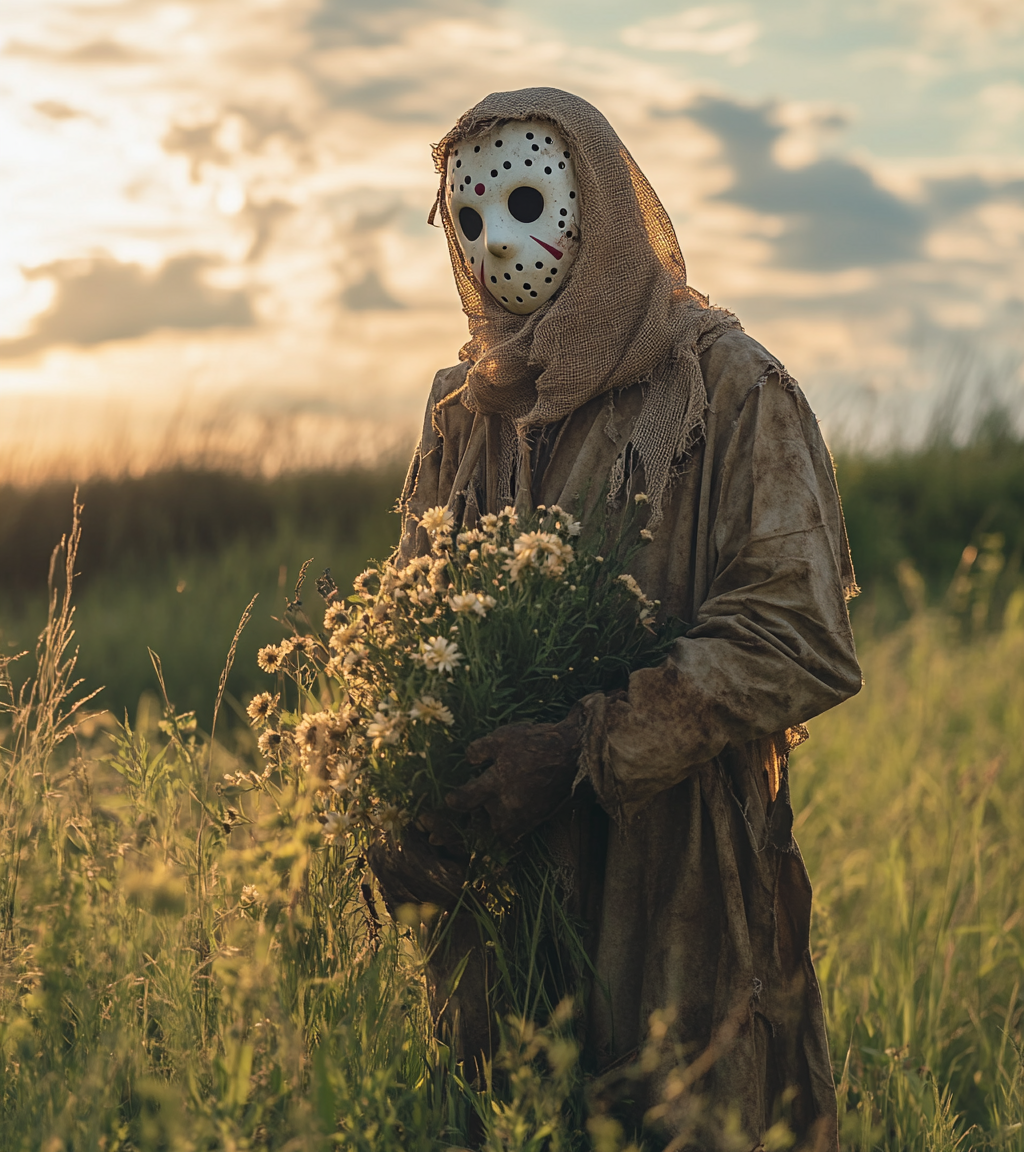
<point x="453" y="419"/>
<point x="735" y="365"/>
<point x="447" y="380"/>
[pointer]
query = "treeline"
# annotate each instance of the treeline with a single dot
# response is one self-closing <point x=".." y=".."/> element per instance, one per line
<point x="940" y="526"/>
<point x="133" y="525"/>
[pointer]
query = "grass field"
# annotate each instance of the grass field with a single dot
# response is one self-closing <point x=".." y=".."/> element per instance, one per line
<point x="910" y="814"/>
<point x="178" y="975"/>
<point x="170" y="559"/>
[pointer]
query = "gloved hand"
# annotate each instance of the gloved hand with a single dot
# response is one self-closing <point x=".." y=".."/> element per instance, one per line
<point x="533" y="769"/>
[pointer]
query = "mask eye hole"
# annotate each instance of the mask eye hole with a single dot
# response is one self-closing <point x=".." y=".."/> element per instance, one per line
<point x="470" y="223"/>
<point x="525" y="204"/>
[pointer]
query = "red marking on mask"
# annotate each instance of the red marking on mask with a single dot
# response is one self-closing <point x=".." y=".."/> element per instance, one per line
<point x="479" y="189"/>
<point x="554" y="251"/>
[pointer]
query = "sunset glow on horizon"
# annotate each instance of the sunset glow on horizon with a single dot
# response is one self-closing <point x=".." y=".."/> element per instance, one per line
<point x="214" y="229"/>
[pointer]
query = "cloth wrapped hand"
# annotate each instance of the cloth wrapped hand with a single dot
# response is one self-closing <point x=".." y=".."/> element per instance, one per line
<point x="532" y="770"/>
<point x="531" y="775"/>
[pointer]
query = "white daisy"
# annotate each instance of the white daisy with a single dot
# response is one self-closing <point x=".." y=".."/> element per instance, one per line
<point x="429" y="709"/>
<point x="439" y="655"/>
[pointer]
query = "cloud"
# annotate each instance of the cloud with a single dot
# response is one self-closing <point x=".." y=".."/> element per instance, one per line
<point x="709" y="31"/>
<point x="369" y="295"/>
<point x="101" y="300"/>
<point x="937" y="39"/>
<point x="341" y="16"/>
<point x="57" y="110"/>
<point x="835" y="215"/>
<point x="264" y="219"/>
<point x="291" y="145"/>
<point x="236" y="130"/>
<point x="395" y="98"/>
<point x="952" y="195"/>
<point x="365" y="255"/>
<point x="1003" y="102"/>
<point x="101" y="53"/>
<point x="198" y="142"/>
<point x="957" y="18"/>
<point x="385" y="21"/>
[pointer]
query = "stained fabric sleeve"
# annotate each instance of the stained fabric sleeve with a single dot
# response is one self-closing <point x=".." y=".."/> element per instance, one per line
<point x="771" y="644"/>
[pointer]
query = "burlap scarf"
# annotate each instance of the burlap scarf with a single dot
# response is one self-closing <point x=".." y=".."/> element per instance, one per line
<point x="625" y="316"/>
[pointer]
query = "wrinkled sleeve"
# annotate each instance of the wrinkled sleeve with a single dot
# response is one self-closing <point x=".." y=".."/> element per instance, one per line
<point x="771" y="644"/>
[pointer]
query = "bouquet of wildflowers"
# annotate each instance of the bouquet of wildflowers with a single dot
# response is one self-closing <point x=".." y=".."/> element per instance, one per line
<point x="511" y="621"/>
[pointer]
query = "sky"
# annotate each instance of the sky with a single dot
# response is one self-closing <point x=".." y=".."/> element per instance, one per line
<point x="213" y="232"/>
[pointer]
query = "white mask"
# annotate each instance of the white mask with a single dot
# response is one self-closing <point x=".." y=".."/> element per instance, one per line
<point x="514" y="202"/>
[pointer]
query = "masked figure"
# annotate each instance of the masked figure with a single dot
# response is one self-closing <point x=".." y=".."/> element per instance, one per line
<point x="594" y="372"/>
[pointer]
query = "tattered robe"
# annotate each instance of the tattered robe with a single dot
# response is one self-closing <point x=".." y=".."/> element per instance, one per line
<point x="694" y="890"/>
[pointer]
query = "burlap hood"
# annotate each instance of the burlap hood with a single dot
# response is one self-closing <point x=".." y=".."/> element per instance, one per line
<point x="625" y="315"/>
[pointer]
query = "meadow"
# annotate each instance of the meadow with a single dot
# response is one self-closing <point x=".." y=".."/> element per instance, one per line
<point x="183" y="965"/>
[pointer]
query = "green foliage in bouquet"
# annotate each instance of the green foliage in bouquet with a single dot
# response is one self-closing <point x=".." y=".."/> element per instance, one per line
<point x="511" y="621"/>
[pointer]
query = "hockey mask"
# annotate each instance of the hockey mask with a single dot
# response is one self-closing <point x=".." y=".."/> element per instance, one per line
<point x="514" y="203"/>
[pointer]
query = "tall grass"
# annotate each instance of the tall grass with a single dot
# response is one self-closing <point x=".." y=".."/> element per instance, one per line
<point x="910" y="803"/>
<point x="169" y="560"/>
<point x="184" y="967"/>
<point x="164" y="979"/>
